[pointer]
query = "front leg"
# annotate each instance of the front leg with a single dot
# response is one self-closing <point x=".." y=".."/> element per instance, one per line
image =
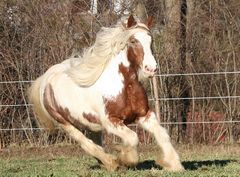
<point x="169" y="159"/>
<point x="128" y="155"/>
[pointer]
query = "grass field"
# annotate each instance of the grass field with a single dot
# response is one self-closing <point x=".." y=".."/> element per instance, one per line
<point x="71" y="161"/>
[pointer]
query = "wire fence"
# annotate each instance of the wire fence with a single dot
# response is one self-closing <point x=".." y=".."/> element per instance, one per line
<point x="158" y="75"/>
<point x="150" y="99"/>
<point x="227" y="121"/>
<point x="132" y="125"/>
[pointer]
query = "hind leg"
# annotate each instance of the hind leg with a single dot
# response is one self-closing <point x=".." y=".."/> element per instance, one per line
<point x="96" y="137"/>
<point x="170" y="159"/>
<point x="109" y="161"/>
<point x="128" y="155"/>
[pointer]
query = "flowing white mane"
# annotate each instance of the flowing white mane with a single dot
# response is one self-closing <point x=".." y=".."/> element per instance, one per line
<point x="88" y="68"/>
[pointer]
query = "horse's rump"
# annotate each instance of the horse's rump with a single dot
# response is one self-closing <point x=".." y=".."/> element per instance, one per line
<point x="80" y="102"/>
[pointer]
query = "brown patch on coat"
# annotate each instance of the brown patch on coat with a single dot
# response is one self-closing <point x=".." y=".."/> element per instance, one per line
<point x="131" y="103"/>
<point x="116" y="121"/>
<point x="135" y="53"/>
<point x="91" y="118"/>
<point x="61" y="115"/>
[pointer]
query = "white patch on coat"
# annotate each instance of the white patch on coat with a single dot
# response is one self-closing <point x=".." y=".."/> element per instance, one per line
<point x="110" y="84"/>
<point x="77" y="100"/>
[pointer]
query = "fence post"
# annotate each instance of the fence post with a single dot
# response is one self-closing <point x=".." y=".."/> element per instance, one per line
<point x="156" y="97"/>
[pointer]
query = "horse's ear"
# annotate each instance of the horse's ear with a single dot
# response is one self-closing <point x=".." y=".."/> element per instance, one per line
<point x="131" y="21"/>
<point x="149" y="22"/>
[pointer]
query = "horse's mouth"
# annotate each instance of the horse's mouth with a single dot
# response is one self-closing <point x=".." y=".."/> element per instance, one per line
<point x="148" y="73"/>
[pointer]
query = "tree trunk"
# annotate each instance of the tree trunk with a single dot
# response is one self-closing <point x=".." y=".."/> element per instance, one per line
<point x="171" y="51"/>
<point x="189" y="59"/>
<point x="94" y="6"/>
<point x="175" y="46"/>
<point x="184" y="86"/>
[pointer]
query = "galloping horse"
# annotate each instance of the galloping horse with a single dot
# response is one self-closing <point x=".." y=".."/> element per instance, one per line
<point x="101" y="90"/>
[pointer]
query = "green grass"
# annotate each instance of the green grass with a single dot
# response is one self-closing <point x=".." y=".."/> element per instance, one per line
<point x="199" y="162"/>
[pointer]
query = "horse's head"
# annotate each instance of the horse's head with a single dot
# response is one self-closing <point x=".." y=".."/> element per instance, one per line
<point x="139" y="50"/>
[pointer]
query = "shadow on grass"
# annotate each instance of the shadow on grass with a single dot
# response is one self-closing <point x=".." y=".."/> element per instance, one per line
<point x="194" y="165"/>
<point x="188" y="165"/>
<point x="147" y="165"/>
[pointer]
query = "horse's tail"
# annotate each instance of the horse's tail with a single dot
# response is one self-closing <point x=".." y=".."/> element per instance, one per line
<point x="34" y="97"/>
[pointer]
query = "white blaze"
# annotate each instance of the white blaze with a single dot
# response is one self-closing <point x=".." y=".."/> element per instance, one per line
<point x="148" y="60"/>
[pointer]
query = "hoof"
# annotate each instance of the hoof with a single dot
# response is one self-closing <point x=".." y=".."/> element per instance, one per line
<point x="128" y="156"/>
<point x="177" y="166"/>
<point x="111" y="166"/>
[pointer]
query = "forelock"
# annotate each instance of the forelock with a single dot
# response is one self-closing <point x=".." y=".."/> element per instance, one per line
<point x="143" y="37"/>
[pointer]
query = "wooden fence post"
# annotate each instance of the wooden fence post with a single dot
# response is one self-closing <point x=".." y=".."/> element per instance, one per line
<point x="156" y="98"/>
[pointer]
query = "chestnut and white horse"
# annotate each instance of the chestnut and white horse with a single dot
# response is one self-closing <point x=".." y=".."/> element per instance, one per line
<point x="101" y="90"/>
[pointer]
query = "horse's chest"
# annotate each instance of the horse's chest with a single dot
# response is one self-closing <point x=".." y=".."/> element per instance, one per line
<point x="129" y="104"/>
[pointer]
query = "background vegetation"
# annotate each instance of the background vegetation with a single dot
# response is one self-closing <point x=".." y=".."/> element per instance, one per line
<point x="190" y="37"/>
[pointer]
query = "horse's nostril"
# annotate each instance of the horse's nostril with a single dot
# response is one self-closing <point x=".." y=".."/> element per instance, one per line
<point x="150" y="69"/>
<point x="147" y="68"/>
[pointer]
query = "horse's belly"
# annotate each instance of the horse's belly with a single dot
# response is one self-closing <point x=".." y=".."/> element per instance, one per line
<point x="85" y="105"/>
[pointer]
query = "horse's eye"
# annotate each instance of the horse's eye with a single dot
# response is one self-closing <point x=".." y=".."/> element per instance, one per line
<point x="133" y="41"/>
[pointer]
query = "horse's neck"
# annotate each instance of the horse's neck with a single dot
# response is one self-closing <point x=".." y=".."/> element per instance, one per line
<point x="127" y="69"/>
<point x="115" y="62"/>
<point x="110" y="83"/>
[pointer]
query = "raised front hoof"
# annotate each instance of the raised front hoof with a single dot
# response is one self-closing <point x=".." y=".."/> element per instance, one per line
<point x="174" y="167"/>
